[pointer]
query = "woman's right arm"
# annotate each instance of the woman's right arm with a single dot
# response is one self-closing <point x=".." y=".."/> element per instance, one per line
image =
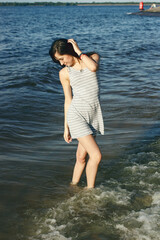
<point x="64" y="79"/>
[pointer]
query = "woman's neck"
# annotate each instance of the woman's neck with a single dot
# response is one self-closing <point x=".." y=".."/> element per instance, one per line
<point x="78" y="65"/>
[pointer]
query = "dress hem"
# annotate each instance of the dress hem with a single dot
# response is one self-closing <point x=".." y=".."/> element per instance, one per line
<point x="93" y="134"/>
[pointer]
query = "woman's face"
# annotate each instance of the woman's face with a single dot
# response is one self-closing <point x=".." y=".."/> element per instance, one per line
<point x="65" y="59"/>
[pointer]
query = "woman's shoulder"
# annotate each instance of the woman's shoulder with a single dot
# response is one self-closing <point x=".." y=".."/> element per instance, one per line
<point x="63" y="73"/>
<point x="95" y="56"/>
<point x="63" y="70"/>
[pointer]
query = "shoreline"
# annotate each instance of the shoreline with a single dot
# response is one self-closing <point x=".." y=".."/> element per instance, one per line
<point x="108" y="4"/>
<point x="153" y="10"/>
<point x="76" y="4"/>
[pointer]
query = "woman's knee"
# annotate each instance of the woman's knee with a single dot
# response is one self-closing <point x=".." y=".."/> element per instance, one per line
<point x="96" y="157"/>
<point x="81" y="157"/>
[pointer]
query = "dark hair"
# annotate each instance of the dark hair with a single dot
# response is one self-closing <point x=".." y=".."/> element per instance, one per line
<point x="62" y="47"/>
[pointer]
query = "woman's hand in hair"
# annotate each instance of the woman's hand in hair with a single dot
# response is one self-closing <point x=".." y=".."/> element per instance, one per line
<point x="75" y="46"/>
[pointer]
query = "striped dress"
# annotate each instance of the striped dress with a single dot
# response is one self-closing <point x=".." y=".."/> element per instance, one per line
<point x="84" y="116"/>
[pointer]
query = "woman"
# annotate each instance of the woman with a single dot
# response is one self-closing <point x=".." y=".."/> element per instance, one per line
<point x="82" y="111"/>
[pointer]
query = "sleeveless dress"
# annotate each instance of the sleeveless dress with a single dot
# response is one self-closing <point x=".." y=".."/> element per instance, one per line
<point x="84" y="116"/>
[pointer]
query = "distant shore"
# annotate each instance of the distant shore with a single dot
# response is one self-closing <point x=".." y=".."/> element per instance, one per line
<point x="106" y="4"/>
<point x="153" y="10"/>
<point x="69" y="4"/>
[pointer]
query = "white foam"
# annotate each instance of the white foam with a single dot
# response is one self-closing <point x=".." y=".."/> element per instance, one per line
<point x="92" y="207"/>
<point x="156" y="198"/>
<point x="121" y="227"/>
<point x="136" y="168"/>
<point x="142" y="225"/>
<point x="149" y="185"/>
<point x="156" y="175"/>
<point x="153" y="163"/>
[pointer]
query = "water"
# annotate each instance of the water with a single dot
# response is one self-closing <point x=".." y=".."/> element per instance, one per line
<point x="36" y="201"/>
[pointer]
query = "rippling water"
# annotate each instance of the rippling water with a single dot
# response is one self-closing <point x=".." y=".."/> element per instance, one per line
<point x="36" y="164"/>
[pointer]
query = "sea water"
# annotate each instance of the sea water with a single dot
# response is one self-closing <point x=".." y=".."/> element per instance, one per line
<point x="36" y="200"/>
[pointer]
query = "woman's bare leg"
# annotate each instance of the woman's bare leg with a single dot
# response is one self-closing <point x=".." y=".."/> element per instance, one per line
<point x="80" y="164"/>
<point x="91" y="147"/>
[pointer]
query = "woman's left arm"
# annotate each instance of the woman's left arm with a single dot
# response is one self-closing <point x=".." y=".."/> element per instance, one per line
<point x="91" y="62"/>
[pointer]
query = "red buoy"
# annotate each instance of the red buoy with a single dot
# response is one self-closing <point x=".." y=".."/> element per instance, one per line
<point x="141" y="6"/>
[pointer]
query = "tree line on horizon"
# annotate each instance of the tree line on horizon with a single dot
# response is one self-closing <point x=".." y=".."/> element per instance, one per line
<point x="64" y="4"/>
<point x="36" y="4"/>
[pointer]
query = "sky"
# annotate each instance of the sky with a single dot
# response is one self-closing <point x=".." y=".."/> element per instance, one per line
<point x="81" y="1"/>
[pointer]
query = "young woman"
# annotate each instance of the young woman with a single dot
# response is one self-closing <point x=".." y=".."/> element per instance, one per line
<point x="82" y="110"/>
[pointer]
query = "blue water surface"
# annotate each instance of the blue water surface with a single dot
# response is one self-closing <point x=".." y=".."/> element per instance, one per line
<point x="36" y="164"/>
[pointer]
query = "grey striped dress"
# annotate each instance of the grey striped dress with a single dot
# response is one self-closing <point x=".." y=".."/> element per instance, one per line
<point x="84" y="116"/>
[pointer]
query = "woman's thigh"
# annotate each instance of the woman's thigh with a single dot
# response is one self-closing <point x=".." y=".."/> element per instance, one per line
<point x="89" y="144"/>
